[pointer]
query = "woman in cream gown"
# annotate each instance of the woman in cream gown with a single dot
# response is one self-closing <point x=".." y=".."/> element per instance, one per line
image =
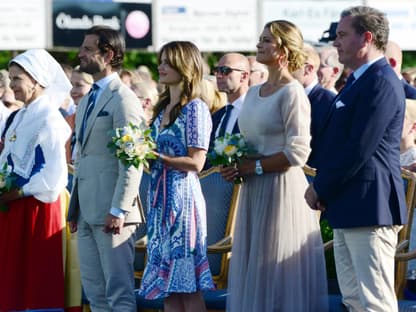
<point x="277" y="261"/>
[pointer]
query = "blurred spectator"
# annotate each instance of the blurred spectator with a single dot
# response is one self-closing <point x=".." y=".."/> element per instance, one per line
<point x="10" y="101"/>
<point x="339" y="84"/>
<point x="4" y="82"/>
<point x="408" y="77"/>
<point x="68" y="107"/>
<point x="148" y="96"/>
<point x="258" y="71"/>
<point x="144" y="72"/>
<point x="4" y="114"/>
<point x="409" y="74"/>
<point x="407" y="143"/>
<point x="330" y="68"/>
<point x="129" y="77"/>
<point x="211" y="95"/>
<point x="8" y="106"/>
<point x="67" y="69"/>
<point x="319" y="97"/>
<point x="81" y="85"/>
<point x="206" y="70"/>
<point x="394" y="56"/>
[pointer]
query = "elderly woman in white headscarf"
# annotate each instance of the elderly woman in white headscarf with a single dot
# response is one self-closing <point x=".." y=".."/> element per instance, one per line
<point x="31" y="221"/>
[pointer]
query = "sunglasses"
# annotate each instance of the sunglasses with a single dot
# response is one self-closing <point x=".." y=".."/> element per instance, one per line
<point x="225" y="70"/>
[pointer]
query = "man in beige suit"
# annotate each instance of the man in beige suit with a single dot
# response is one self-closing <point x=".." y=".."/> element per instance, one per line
<point x="103" y="207"/>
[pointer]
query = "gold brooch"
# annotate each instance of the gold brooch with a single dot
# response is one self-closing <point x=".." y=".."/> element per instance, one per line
<point x="13" y="137"/>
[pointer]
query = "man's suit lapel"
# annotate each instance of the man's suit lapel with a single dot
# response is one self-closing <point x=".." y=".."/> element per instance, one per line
<point x="102" y="101"/>
<point x="216" y="118"/>
<point x="374" y="67"/>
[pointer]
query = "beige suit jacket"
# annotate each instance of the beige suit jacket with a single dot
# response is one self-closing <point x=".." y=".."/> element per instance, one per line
<point x="101" y="181"/>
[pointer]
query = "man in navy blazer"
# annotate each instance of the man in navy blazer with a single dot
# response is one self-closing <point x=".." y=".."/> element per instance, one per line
<point x="232" y="75"/>
<point x="319" y="97"/>
<point x="358" y="181"/>
<point x="394" y="56"/>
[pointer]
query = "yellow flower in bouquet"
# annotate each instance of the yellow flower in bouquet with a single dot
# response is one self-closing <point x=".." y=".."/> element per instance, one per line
<point x="133" y="145"/>
<point x="228" y="151"/>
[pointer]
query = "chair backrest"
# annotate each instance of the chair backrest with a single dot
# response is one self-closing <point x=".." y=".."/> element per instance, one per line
<point x="140" y="255"/>
<point x="143" y="197"/>
<point x="221" y="199"/>
<point x="409" y="182"/>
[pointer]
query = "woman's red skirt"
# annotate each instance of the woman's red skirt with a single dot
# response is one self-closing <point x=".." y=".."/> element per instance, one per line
<point x="31" y="264"/>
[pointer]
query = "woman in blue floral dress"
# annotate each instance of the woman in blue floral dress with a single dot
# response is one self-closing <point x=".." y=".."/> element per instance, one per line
<point x="177" y="266"/>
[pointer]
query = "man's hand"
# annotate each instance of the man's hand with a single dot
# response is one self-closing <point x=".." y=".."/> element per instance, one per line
<point x="113" y="224"/>
<point x="312" y="200"/>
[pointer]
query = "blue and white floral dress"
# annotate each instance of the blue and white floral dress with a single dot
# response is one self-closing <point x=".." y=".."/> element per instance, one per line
<point x="176" y="215"/>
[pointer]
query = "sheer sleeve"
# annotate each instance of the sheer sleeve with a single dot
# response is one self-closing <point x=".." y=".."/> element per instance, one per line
<point x="296" y="118"/>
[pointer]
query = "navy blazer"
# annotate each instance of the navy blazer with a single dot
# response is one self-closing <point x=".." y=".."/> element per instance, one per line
<point x="358" y="172"/>
<point x="321" y="100"/>
<point x="216" y="120"/>
<point x="409" y="90"/>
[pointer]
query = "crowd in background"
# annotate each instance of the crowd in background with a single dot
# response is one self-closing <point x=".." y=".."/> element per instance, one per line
<point x="279" y="100"/>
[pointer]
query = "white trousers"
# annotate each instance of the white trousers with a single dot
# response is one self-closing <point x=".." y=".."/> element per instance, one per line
<point x="364" y="259"/>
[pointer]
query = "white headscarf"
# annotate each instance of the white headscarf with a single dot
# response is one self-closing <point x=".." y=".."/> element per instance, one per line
<point x="42" y="67"/>
<point x="37" y="123"/>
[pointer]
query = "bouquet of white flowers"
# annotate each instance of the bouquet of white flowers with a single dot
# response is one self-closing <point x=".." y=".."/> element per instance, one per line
<point x="228" y="151"/>
<point x="7" y="178"/>
<point x="133" y="145"/>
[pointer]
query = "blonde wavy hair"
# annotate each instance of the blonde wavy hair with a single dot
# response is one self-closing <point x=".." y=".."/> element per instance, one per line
<point x="290" y="41"/>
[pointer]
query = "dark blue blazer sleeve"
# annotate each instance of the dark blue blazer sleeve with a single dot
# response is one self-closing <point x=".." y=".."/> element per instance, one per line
<point x="409" y="90"/>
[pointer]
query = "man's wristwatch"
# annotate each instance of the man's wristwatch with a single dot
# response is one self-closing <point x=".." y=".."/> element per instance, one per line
<point x="259" y="169"/>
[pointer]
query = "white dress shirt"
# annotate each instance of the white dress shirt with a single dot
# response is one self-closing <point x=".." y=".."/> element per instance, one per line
<point x="237" y="104"/>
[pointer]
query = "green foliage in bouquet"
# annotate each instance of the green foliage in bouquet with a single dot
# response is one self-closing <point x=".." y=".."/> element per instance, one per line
<point x="133" y="145"/>
<point x="228" y="151"/>
<point x="7" y="182"/>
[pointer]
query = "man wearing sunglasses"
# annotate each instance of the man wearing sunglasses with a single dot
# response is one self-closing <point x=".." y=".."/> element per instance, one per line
<point x="319" y="97"/>
<point x="232" y="75"/>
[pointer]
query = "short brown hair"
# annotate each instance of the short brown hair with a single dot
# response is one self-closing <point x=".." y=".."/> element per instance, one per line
<point x="365" y="18"/>
<point x="109" y="39"/>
